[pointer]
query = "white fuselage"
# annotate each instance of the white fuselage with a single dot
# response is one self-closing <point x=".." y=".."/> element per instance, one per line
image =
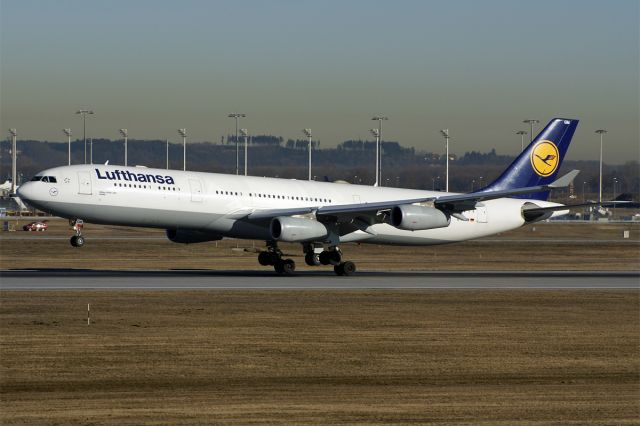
<point x="137" y="196"/>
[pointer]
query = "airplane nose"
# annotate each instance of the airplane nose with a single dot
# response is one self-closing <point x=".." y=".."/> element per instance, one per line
<point x="25" y="191"/>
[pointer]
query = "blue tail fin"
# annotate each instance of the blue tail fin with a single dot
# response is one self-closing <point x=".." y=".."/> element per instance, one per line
<point x="539" y="163"/>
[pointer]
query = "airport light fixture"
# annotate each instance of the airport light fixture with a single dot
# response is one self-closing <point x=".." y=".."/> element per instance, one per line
<point x="445" y="133"/>
<point x="521" y="133"/>
<point x="83" y="113"/>
<point x="90" y="150"/>
<point x="237" y="117"/>
<point x="183" y="133"/>
<point x="307" y="133"/>
<point x="531" y="122"/>
<point x="167" y="154"/>
<point x="245" y="133"/>
<point x="125" y="135"/>
<point x="376" y="134"/>
<point x="601" y="132"/>
<point x="14" y="159"/>
<point x="379" y="119"/>
<point x="68" y="133"/>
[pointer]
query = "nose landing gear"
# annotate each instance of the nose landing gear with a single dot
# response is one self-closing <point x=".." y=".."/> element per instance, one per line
<point x="77" y="240"/>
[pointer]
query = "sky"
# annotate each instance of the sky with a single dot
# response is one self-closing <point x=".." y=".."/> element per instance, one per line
<point x="477" y="68"/>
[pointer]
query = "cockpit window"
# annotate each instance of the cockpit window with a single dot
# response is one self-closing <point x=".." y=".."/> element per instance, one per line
<point x="50" y="179"/>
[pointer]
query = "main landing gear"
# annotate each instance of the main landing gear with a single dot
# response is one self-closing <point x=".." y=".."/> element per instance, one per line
<point x="315" y="255"/>
<point x="77" y="240"/>
<point x="273" y="257"/>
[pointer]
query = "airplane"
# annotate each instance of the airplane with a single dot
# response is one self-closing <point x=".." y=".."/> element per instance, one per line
<point x="196" y="207"/>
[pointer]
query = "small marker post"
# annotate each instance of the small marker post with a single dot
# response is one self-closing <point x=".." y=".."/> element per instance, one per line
<point x="88" y="314"/>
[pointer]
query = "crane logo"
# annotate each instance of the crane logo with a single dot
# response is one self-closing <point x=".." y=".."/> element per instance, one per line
<point x="545" y="158"/>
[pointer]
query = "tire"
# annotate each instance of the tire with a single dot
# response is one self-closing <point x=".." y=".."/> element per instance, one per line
<point x="73" y="241"/>
<point x="288" y="266"/>
<point x="279" y="267"/>
<point x="312" y="259"/>
<point x="324" y="258"/>
<point x="348" y="268"/>
<point x="79" y="241"/>
<point x="335" y="258"/>
<point x="264" y="258"/>
<point x="338" y="269"/>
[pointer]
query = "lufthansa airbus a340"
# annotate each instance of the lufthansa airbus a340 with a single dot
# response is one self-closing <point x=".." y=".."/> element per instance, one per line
<point x="196" y="207"/>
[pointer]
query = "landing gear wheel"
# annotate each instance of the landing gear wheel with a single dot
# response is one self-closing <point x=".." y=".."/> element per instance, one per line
<point x="279" y="267"/>
<point x="346" y="268"/>
<point x="312" y="259"/>
<point x="324" y="258"/>
<point x="77" y="241"/>
<point x="264" y="258"/>
<point x="289" y="266"/>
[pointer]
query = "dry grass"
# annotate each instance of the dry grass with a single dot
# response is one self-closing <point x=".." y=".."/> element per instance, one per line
<point x="545" y="246"/>
<point x="358" y="357"/>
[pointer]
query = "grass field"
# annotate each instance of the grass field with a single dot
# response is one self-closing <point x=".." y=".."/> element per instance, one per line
<point x="358" y="357"/>
<point x="488" y="357"/>
<point x="547" y="246"/>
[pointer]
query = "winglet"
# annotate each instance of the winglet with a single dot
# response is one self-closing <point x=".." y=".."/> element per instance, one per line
<point x="565" y="180"/>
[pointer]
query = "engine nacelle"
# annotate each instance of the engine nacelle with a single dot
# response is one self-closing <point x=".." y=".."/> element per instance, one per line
<point x="296" y="230"/>
<point x="190" y="236"/>
<point x="416" y="218"/>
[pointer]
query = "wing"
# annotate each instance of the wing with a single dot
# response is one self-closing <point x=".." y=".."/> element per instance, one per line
<point x="371" y="213"/>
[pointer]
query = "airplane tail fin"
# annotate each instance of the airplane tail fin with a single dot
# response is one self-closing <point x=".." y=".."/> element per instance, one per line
<point x="540" y="161"/>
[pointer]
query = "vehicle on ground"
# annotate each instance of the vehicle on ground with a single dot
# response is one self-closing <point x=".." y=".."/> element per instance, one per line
<point x="35" y="226"/>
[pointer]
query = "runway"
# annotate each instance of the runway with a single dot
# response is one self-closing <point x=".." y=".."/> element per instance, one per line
<point x="79" y="279"/>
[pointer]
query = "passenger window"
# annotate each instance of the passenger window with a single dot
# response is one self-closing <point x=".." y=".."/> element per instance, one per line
<point x="36" y="178"/>
<point x="52" y="179"/>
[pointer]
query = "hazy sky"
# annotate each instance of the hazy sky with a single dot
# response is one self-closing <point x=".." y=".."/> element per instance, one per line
<point x="476" y="67"/>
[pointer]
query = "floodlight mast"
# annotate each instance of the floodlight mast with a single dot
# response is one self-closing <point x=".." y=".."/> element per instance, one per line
<point x="125" y="135"/>
<point x="307" y="132"/>
<point x="83" y="113"/>
<point x="183" y="133"/>
<point x="445" y="133"/>
<point x="379" y="119"/>
<point x="376" y="134"/>
<point x="68" y="133"/>
<point x="531" y="122"/>
<point x="521" y="133"/>
<point x="237" y="116"/>
<point x="601" y="132"/>
<point x="245" y="133"/>
<point x="14" y="159"/>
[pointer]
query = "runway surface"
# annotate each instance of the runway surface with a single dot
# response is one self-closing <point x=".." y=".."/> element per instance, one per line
<point x="79" y="279"/>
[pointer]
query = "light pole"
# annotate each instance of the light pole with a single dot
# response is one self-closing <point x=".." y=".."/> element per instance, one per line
<point x="600" y="132"/>
<point x="307" y="132"/>
<point x="245" y="134"/>
<point x="379" y="119"/>
<point x="83" y="113"/>
<point x="584" y="199"/>
<point x="125" y="135"/>
<point x="14" y="159"/>
<point x="237" y="116"/>
<point x="521" y="133"/>
<point x="68" y="133"/>
<point x="445" y="133"/>
<point x="473" y="181"/>
<point x="480" y="183"/>
<point x="167" y="154"/>
<point x="90" y="150"/>
<point x="183" y="133"/>
<point x="531" y="122"/>
<point x="376" y="133"/>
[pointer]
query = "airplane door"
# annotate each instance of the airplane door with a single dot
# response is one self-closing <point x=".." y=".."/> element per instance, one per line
<point x="84" y="183"/>
<point x="196" y="190"/>
<point x="481" y="211"/>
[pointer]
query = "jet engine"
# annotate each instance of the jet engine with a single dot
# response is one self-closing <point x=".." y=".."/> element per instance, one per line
<point x="190" y="236"/>
<point x="295" y="230"/>
<point x="415" y="218"/>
